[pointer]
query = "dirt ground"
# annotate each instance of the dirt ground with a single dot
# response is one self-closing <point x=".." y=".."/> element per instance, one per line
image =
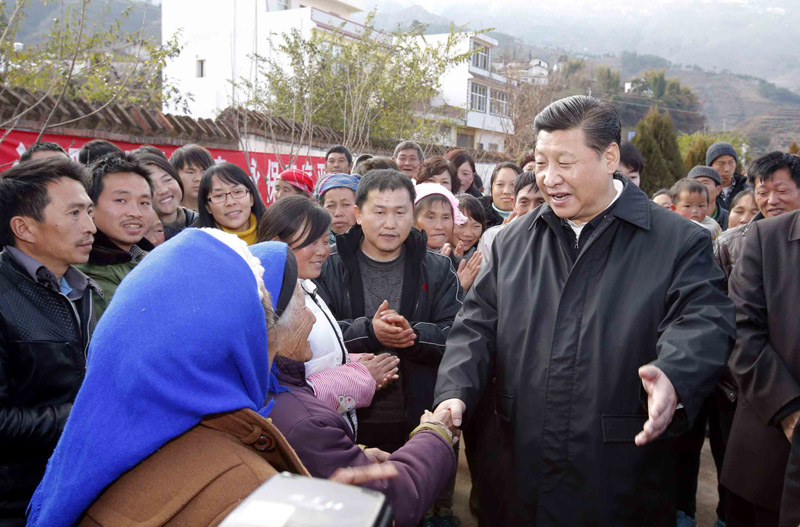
<point x="706" y="491"/>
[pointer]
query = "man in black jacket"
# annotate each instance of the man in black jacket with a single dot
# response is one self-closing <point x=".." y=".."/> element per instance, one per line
<point x="389" y="293"/>
<point x="723" y="158"/>
<point x="45" y="318"/>
<point x="602" y="320"/>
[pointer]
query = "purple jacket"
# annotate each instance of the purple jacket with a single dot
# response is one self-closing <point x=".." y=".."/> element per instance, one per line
<point x="324" y="443"/>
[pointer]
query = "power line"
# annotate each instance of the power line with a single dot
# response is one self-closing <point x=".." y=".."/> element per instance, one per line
<point x="651" y="106"/>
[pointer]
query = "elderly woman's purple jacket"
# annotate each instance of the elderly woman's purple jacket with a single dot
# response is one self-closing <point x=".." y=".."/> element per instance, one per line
<point x="324" y="443"/>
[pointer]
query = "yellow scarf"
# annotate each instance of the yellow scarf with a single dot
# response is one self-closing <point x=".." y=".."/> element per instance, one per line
<point x="250" y="236"/>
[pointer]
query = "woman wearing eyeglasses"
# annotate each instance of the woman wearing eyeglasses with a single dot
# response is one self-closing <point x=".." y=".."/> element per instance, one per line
<point x="229" y="201"/>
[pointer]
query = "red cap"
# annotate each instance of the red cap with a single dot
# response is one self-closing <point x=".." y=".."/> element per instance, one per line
<point x="298" y="179"/>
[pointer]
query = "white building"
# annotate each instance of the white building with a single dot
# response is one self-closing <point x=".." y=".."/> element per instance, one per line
<point x="535" y="71"/>
<point x="221" y="38"/>
<point x="481" y="95"/>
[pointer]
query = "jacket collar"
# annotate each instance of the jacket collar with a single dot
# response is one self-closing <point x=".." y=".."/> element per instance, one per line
<point x="794" y="231"/>
<point x="291" y="372"/>
<point x="349" y="243"/>
<point x="106" y="252"/>
<point x="7" y="259"/>
<point x="632" y="206"/>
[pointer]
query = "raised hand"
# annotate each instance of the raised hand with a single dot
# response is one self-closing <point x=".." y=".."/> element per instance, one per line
<point x="468" y="271"/>
<point x="383" y="367"/>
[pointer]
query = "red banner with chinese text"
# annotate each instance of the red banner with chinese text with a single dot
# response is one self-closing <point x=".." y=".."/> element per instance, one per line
<point x="263" y="168"/>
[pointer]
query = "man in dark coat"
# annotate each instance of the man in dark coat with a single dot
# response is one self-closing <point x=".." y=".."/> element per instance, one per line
<point x="602" y="319"/>
<point x="723" y="158"/>
<point x="766" y="366"/>
<point x="45" y="318"/>
<point x="390" y="293"/>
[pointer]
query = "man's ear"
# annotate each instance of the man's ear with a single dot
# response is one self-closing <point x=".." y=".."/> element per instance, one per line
<point x="23" y="228"/>
<point x="611" y="157"/>
<point x="357" y="214"/>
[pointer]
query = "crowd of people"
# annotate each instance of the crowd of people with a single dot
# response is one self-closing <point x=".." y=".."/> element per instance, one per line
<point x="168" y="341"/>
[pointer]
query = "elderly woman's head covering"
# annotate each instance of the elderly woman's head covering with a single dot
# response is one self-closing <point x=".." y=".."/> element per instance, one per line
<point x="184" y="337"/>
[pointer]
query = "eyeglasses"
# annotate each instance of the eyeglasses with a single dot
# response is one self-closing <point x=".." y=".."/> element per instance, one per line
<point x="220" y="197"/>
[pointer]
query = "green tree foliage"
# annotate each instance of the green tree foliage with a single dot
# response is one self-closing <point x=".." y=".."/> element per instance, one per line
<point x="693" y="146"/>
<point x="90" y="57"/>
<point x="656" y="82"/>
<point x="378" y="86"/>
<point x="655" y="138"/>
<point x="632" y="63"/>
<point x="607" y="81"/>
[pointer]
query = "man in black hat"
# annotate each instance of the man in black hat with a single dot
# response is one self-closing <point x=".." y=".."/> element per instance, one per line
<point x="723" y="158"/>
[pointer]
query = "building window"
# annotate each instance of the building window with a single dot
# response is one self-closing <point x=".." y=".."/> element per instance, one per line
<point x="200" y="68"/>
<point x="480" y="59"/>
<point x="464" y="140"/>
<point x="477" y="99"/>
<point x="499" y="103"/>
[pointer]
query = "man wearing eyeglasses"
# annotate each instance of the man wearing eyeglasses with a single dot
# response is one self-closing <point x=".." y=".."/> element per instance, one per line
<point x="122" y="194"/>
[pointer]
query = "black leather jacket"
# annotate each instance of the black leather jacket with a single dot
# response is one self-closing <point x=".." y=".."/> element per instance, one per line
<point x="43" y="342"/>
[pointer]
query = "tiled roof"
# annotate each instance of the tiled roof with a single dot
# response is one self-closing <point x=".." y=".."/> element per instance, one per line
<point x="25" y="110"/>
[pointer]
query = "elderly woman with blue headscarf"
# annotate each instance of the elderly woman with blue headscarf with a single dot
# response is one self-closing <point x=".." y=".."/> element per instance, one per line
<point x="170" y="427"/>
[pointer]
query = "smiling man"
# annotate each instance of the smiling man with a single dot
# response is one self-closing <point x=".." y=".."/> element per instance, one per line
<point x="598" y="314"/>
<point x="390" y="293"/>
<point x="45" y="317"/>
<point x="123" y="202"/>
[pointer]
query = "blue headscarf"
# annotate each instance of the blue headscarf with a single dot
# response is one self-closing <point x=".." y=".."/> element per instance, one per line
<point x="339" y="181"/>
<point x="184" y="337"/>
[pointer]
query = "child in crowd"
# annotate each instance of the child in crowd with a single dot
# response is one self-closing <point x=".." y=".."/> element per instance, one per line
<point x="690" y="200"/>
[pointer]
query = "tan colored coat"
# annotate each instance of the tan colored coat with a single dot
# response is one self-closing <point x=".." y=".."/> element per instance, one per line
<point x="199" y="477"/>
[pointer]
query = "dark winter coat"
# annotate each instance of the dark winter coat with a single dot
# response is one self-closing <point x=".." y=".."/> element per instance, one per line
<point x="324" y="442"/>
<point x="738" y="184"/>
<point x="173" y="230"/>
<point x="564" y="341"/>
<point x="722" y="213"/>
<point x="766" y="360"/>
<point x="728" y="247"/>
<point x="430" y="299"/>
<point x="492" y="217"/>
<point x="43" y="340"/>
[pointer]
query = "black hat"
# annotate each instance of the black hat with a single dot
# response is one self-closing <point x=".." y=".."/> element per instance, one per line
<point x="720" y="149"/>
<point x="701" y="171"/>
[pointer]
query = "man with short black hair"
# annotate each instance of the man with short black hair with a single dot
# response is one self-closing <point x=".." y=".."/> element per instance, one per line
<point x="96" y="149"/>
<point x="41" y="150"/>
<point x="390" y="293"/>
<point x="45" y="317"/>
<point x="123" y="200"/>
<point x="598" y="314"/>
<point x="191" y="161"/>
<point x="408" y="156"/>
<point x="723" y="158"/>
<point x="338" y="160"/>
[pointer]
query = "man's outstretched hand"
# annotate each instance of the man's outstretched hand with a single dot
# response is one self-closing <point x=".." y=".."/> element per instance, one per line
<point x="455" y="408"/>
<point x="364" y="474"/>
<point x="661" y="403"/>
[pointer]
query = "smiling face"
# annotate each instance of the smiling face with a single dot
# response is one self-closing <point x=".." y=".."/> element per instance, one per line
<point x="465" y="175"/>
<point x="66" y="234"/>
<point x="692" y="205"/>
<point x="168" y="196"/>
<point x="190" y="177"/>
<point x="386" y="218"/>
<point x="503" y="189"/>
<point x="234" y="212"/>
<point x="339" y="203"/>
<point x="123" y="208"/>
<point x="576" y="181"/>
<point x="436" y="219"/>
<point x="409" y="162"/>
<point x="311" y="257"/>
<point x="468" y="234"/>
<point x="777" y="195"/>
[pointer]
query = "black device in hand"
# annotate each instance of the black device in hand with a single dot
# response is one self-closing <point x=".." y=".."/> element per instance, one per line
<point x="289" y="500"/>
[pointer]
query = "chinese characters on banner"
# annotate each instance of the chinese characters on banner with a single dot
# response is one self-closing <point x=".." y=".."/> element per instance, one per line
<point x="263" y="168"/>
